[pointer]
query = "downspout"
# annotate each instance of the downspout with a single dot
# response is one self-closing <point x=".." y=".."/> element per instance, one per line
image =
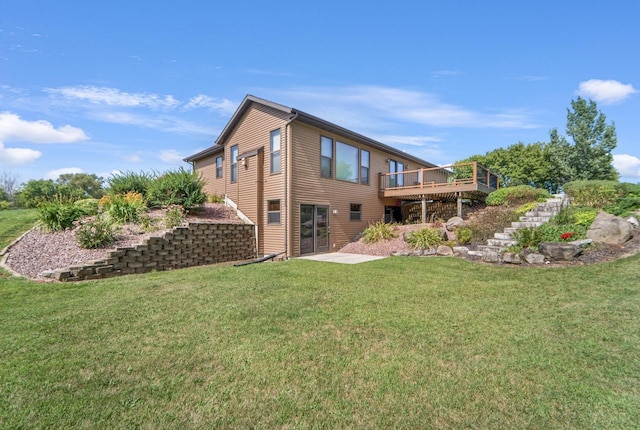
<point x="289" y="146"/>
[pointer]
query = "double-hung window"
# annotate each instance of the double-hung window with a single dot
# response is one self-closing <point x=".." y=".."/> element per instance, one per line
<point x="273" y="211"/>
<point x="355" y="212"/>
<point x="396" y="179"/>
<point x="326" y="157"/>
<point x="234" y="163"/>
<point x="219" y="167"/>
<point x="364" y="167"/>
<point x="274" y="150"/>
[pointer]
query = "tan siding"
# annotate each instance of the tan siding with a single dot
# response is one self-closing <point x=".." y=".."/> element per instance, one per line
<point x="207" y="168"/>
<point x="309" y="188"/>
<point x="255" y="184"/>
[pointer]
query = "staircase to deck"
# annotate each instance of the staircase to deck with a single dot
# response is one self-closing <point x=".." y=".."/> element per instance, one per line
<point x="535" y="218"/>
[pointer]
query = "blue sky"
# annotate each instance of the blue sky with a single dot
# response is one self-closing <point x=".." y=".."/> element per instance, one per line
<point x="101" y="87"/>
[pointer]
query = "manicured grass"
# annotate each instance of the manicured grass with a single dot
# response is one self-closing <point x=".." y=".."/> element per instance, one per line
<point x="396" y="343"/>
<point x="15" y="222"/>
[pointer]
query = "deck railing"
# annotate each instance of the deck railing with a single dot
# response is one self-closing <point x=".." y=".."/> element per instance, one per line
<point x="453" y="175"/>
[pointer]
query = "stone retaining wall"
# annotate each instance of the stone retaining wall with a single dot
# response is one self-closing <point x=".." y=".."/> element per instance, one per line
<point x="197" y="244"/>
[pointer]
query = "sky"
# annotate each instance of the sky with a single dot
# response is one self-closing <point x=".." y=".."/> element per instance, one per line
<point x="107" y="87"/>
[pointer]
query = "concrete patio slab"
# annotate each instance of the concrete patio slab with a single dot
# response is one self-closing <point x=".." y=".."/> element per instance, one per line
<point x="342" y="257"/>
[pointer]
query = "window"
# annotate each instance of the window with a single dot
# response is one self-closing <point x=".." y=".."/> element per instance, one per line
<point x="346" y="162"/>
<point x="273" y="211"/>
<point x="364" y="167"/>
<point x="219" y="167"/>
<point x="326" y="157"/>
<point x="274" y="150"/>
<point x="397" y="179"/>
<point x="234" y="163"/>
<point x="355" y="212"/>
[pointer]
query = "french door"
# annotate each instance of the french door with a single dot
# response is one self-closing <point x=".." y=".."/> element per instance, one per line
<point x="314" y="229"/>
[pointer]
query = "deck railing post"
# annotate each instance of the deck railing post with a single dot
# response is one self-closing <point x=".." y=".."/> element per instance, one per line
<point x="475" y="172"/>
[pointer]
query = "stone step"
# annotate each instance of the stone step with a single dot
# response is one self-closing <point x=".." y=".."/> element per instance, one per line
<point x="535" y="218"/>
<point x="501" y="242"/>
<point x="483" y="248"/>
<point x="510" y="230"/>
<point x="502" y="236"/>
<point x="526" y="224"/>
<point x="540" y="213"/>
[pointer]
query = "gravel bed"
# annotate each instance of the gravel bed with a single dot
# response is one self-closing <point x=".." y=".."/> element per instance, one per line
<point x="39" y="251"/>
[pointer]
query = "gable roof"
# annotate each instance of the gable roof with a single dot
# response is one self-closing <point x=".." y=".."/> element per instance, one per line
<point x="298" y="115"/>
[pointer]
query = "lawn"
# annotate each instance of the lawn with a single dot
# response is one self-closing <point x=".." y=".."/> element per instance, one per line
<point x="15" y="222"/>
<point x="396" y="343"/>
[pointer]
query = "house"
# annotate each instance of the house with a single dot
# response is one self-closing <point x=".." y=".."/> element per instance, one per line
<point x="311" y="186"/>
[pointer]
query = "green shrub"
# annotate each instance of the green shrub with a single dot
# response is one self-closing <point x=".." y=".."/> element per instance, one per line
<point x="4" y="205"/>
<point x="178" y="187"/>
<point x="58" y="215"/>
<point x="127" y="182"/>
<point x="531" y="237"/>
<point x="214" y="198"/>
<point x="89" y="207"/>
<point x="95" y="233"/>
<point x="518" y="195"/>
<point x="528" y="237"/>
<point x="527" y="207"/>
<point x="378" y="231"/>
<point x="464" y="235"/>
<point x="124" y="208"/>
<point x="425" y="238"/>
<point x="147" y="223"/>
<point x="594" y="194"/>
<point x="174" y="216"/>
<point x="624" y="206"/>
<point x="580" y="215"/>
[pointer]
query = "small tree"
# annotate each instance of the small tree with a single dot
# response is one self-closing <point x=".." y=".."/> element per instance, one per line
<point x="90" y="185"/>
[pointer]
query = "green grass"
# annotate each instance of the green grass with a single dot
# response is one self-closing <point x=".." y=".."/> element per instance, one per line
<point x="395" y="343"/>
<point x="15" y="222"/>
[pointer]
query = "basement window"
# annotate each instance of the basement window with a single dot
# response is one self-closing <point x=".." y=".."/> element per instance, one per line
<point x="355" y="212"/>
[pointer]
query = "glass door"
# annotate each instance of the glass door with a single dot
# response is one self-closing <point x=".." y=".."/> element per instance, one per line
<point x="314" y="229"/>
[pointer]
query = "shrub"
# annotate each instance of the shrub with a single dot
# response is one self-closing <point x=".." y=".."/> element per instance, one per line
<point x="58" y="215"/>
<point x="377" y="232"/>
<point x="583" y="216"/>
<point x="519" y="195"/>
<point x="178" y="187"/>
<point x="4" y="205"/>
<point x="89" y="207"/>
<point x="594" y="194"/>
<point x="527" y="207"/>
<point x="214" y="198"/>
<point x="624" y="206"/>
<point x="125" y="208"/>
<point x="533" y="236"/>
<point x="464" y="235"/>
<point x="95" y="233"/>
<point x="127" y="182"/>
<point x="174" y="216"/>
<point x="425" y="238"/>
<point x="147" y="223"/>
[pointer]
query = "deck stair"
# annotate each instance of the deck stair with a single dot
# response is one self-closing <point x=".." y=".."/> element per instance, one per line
<point x="542" y="213"/>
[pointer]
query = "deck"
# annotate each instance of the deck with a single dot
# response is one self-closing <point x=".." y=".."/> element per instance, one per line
<point x="450" y="183"/>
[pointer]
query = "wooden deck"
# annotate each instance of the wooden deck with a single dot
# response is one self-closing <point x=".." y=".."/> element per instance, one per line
<point x="464" y="180"/>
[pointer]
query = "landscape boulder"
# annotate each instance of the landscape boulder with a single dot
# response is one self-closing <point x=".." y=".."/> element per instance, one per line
<point x="535" y="258"/>
<point x="512" y="258"/>
<point x="444" y="250"/>
<point x="454" y="222"/>
<point x="559" y="251"/>
<point x="610" y="229"/>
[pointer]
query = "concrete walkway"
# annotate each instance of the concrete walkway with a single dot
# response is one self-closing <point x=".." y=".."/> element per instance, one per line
<point x="342" y="257"/>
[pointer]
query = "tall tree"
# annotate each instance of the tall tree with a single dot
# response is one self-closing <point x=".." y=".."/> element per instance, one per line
<point x="589" y="156"/>
<point x="90" y="185"/>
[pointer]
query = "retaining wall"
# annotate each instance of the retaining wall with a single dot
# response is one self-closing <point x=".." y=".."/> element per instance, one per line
<point x="197" y="244"/>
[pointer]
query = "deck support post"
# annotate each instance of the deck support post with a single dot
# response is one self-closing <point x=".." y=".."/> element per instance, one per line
<point x="424" y="209"/>
<point x="459" y="194"/>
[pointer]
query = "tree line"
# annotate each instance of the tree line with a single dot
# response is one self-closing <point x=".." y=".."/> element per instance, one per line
<point x="583" y="154"/>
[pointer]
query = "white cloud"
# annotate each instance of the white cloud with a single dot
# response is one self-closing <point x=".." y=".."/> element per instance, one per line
<point x="115" y="97"/>
<point x="18" y="156"/>
<point x="12" y="127"/>
<point x="133" y="158"/>
<point x="53" y="174"/>
<point x="391" y="139"/>
<point x="378" y="105"/>
<point x="223" y="106"/>
<point x="627" y="165"/>
<point x="162" y="123"/>
<point x="171" y="156"/>
<point x="605" y="91"/>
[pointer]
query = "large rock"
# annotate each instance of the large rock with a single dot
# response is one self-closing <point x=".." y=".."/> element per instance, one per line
<point x="535" y="258"/>
<point x="512" y="258"/>
<point x="610" y="229"/>
<point x="454" y="222"/>
<point x="559" y="251"/>
<point x="444" y="250"/>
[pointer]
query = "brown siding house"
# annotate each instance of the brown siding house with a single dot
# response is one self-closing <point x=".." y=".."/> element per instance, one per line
<point x="309" y="186"/>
